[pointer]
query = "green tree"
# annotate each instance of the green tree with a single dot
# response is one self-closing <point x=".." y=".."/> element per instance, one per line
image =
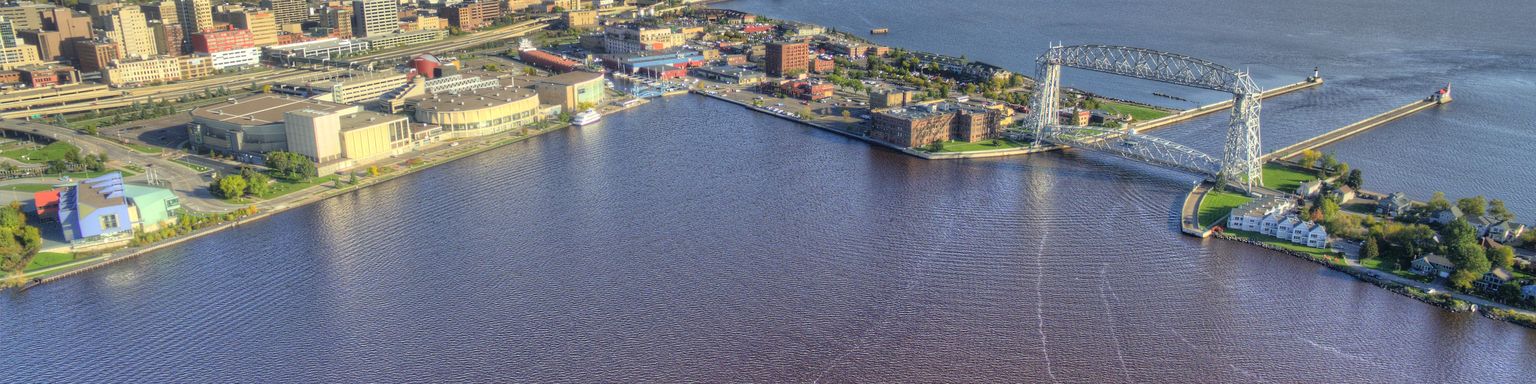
<point x="1472" y="206"/>
<point x="1328" y="207"/>
<point x="1501" y="257"/>
<point x="1328" y="162"/>
<point x="1497" y="209"/>
<point x="232" y="187"/>
<point x="1370" y="249"/>
<point x="1354" y="179"/>
<point x="1437" y="202"/>
<point x="1471" y="264"/>
<point x="258" y="184"/>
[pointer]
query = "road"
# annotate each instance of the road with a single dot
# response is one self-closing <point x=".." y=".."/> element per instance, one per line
<point x="187" y="183"/>
<point x="1352" y="257"/>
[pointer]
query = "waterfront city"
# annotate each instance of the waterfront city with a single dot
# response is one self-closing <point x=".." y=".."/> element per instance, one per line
<point x="750" y="191"/>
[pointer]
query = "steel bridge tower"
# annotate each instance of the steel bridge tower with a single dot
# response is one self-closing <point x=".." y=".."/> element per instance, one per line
<point x="1240" y="161"/>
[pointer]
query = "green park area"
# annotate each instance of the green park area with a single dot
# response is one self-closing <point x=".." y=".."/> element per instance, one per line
<point x="1138" y="112"/>
<point x="1217" y="204"/>
<point x="29" y="152"/>
<point x="282" y="187"/>
<point x="26" y="188"/>
<point x="1286" y="178"/>
<point x="984" y="145"/>
<point x="49" y="259"/>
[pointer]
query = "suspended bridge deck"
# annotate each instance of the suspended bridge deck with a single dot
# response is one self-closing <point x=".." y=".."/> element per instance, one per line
<point x="1166" y="121"/>
<point x="1358" y="127"/>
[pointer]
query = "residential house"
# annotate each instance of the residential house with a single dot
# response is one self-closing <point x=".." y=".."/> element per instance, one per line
<point x="1250" y="216"/>
<point x="1445" y="216"/>
<point x="1505" y="231"/>
<point x="1300" y="232"/>
<point x="1342" y="194"/>
<point x="1317" y="237"/>
<point x="1310" y="188"/>
<point x="1493" y="280"/>
<point x="1267" y="226"/>
<point x="1283" y="230"/>
<point x="1394" y="205"/>
<point x="1433" y="265"/>
<point x="1482" y="223"/>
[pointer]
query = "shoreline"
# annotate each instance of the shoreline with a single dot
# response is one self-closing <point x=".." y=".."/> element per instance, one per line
<point x="878" y="143"/>
<point x="1447" y="300"/>
<point x="111" y="258"/>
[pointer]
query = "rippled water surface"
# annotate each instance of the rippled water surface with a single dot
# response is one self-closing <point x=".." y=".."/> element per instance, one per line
<point x="692" y="240"/>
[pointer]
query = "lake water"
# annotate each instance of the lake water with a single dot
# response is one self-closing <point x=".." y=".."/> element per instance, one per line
<point x="694" y="240"/>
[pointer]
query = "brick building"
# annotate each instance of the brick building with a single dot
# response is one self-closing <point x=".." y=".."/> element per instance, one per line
<point x="919" y="125"/>
<point x="787" y="58"/>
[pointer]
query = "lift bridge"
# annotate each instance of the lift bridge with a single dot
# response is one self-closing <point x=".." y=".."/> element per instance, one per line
<point x="1240" y="162"/>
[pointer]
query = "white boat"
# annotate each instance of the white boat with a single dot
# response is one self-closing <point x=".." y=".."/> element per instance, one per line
<point x="587" y="117"/>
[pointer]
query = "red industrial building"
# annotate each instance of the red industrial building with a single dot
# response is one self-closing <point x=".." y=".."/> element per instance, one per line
<point x="220" y="41"/>
<point x="547" y="60"/>
<point x="756" y="28"/>
<point x="47" y="203"/>
<point x="664" y="72"/>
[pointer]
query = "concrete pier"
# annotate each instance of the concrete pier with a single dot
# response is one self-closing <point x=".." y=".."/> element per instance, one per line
<point x="1165" y="121"/>
<point x="1336" y="135"/>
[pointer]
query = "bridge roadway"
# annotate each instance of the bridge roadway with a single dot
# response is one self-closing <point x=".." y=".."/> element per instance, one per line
<point x="1350" y="130"/>
<point x="167" y="91"/>
<point x="1166" y="121"/>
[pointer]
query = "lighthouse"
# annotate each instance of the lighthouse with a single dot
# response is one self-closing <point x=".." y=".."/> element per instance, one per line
<point x="1443" y="95"/>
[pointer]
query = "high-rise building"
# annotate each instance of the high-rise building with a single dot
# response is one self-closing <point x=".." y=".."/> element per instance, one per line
<point x="375" y="17"/>
<point x="195" y="15"/>
<point x="165" y="11"/>
<point x="7" y="33"/>
<point x="338" y="20"/>
<point x="469" y="16"/>
<point x="24" y="15"/>
<point x="788" y="58"/>
<point x="94" y="55"/>
<point x="289" y="11"/>
<point x="169" y="37"/>
<point x="262" y="24"/>
<point x="127" y="27"/>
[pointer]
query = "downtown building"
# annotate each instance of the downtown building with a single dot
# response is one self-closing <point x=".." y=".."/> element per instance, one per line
<point x="375" y="17"/>
<point x="227" y="48"/>
<point x="787" y="58"/>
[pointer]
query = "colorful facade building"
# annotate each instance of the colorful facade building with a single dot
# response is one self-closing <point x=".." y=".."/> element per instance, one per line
<point x="153" y="208"/>
<point x="95" y="210"/>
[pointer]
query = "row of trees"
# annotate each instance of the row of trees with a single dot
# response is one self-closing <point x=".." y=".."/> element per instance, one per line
<point x="1470" y="206"/>
<point x="1330" y="166"/>
<point x="19" y="243"/>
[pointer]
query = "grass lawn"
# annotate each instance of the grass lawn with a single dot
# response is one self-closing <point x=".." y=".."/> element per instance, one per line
<point x="1282" y="244"/>
<point x="1360" y="208"/>
<point x="1138" y="112"/>
<point x="49" y="259"/>
<point x="1216" y="204"/>
<point x="1381" y="264"/>
<point x="283" y="187"/>
<point x="41" y="155"/>
<point x="1286" y="178"/>
<point x="27" y="187"/>
<point x="984" y="145"/>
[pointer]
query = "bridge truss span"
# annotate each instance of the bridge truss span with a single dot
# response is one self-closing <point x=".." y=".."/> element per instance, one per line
<point x="1240" y="160"/>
